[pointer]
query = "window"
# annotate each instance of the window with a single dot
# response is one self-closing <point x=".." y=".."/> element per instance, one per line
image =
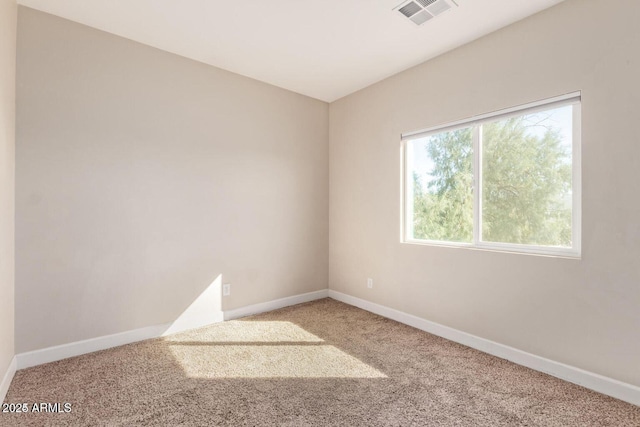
<point x="508" y="180"/>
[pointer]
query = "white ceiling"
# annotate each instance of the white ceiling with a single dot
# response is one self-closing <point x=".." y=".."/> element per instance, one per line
<point x="325" y="49"/>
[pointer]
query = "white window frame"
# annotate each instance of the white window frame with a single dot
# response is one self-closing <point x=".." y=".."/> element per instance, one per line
<point x="476" y="122"/>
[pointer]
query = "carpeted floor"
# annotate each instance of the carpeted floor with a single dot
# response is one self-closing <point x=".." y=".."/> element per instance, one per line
<point x="321" y="363"/>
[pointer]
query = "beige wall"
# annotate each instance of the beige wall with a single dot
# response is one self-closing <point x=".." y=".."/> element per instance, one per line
<point x="581" y="312"/>
<point x="7" y="168"/>
<point x="142" y="176"/>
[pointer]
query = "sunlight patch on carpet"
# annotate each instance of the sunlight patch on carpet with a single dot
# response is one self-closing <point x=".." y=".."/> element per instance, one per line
<point x="210" y="360"/>
<point x="257" y="349"/>
<point x="247" y="331"/>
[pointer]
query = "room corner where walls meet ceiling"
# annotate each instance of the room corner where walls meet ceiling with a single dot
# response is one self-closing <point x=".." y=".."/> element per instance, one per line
<point x="325" y="50"/>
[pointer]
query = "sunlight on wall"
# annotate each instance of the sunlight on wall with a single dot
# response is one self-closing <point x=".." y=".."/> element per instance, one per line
<point x="204" y="310"/>
<point x="251" y="349"/>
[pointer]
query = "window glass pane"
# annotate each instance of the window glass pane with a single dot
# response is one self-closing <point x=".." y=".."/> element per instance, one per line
<point x="526" y="179"/>
<point x="440" y="179"/>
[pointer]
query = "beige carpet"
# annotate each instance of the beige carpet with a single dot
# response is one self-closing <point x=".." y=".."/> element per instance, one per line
<point x="321" y="363"/>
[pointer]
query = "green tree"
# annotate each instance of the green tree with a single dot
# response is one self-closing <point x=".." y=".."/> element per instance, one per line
<point x="526" y="186"/>
<point x="445" y="210"/>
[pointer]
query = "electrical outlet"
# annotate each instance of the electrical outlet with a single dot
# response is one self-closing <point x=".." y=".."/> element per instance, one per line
<point x="370" y="283"/>
<point x="226" y="289"/>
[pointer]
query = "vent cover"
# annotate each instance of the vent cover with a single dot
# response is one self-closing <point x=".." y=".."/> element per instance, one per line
<point x="425" y="3"/>
<point x="421" y="18"/>
<point x="421" y="11"/>
<point x="409" y="9"/>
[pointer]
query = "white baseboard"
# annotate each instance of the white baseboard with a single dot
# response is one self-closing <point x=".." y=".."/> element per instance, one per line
<point x="275" y="304"/>
<point x="609" y="386"/>
<point x="64" y="351"/>
<point x="7" y="378"/>
<point x="59" y="352"/>
<point x="185" y="323"/>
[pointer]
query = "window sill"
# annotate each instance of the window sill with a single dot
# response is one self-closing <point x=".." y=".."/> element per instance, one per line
<point x="515" y="249"/>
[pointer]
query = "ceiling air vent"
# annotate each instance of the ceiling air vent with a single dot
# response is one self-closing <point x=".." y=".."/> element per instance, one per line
<point x="410" y="9"/>
<point x="420" y="11"/>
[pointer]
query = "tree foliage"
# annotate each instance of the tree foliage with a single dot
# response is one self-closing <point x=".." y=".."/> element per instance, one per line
<point x="444" y="210"/>
<point x="526" y="186"/>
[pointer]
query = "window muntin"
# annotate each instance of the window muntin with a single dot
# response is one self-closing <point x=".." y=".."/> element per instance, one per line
<point x="507" y="180"/>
